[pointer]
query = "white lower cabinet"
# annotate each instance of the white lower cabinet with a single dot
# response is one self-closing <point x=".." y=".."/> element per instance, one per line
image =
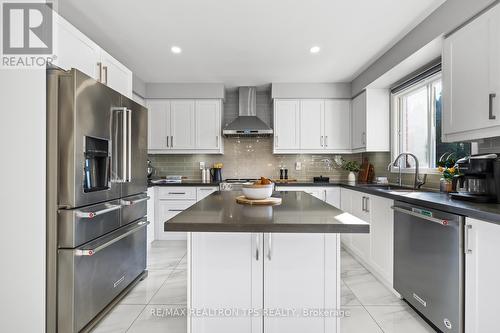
<point x="151" y="215"/>
<point x="329" y="194"/>
<point x="264" y="273"/>
<point x="170" y="201"/>
<point x="482" y="291"/>
<point x="167" y="209"/>
<point x="375" y="249"/>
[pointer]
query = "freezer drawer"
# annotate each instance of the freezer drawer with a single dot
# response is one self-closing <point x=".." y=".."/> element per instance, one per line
<point x="134" y="208"/>
<point x="91" y="276"/>
<point x="79" y="226"/>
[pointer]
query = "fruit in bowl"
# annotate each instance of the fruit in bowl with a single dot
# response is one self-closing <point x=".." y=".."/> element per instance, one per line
<point x="261" y="189"/>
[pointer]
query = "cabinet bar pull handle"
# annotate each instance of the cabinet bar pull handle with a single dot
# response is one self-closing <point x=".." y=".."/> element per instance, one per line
<point x="270" y="246"/>
<point x="167" y="141"/>
<point x="171" y="141"/>
<point x="367" y="204"/>
<point x="467" y="250"/>
<point x="176" y="210"/>
<point x="257" y="245"/>
<point x="105" y="69"/>
<point x="326" y="140"/>
<point x="99" y="66"/>
<point x="321" y="140"/>
<point x="177" y="193"/>
<point x="492" y="96"/>
<point x="363" y="204"/>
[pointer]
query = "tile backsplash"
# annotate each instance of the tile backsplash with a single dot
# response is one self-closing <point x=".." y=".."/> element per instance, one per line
<point x="252" y="158"/>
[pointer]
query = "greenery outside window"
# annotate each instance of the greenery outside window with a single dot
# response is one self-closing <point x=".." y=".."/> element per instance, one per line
<point x="416" y="126"/>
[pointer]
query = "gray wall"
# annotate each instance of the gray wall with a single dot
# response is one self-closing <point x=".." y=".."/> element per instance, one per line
<point x="185" y="90"/>
<point x="446" y="18"/>
<point x="138" y="86"/>
<point x="311" y="90"/>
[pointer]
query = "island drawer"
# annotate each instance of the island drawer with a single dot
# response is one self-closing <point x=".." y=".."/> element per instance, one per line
<point x="177" y="192"/>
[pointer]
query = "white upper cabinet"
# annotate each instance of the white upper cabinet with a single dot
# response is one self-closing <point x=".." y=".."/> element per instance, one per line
<point x="370" y="121"/>
<point x="208" y="124"/>
<point x="471" y="80"/>
<point x="115" y="75"/>
<point x="184" y="126"/>
<point x="337" y="129"/>
<point x="359" y="122"/>
<point x="158" y="133"/>
<point x="286" y="125"/>
<point x="75" y="50"/>
<point x="312" y="126"/>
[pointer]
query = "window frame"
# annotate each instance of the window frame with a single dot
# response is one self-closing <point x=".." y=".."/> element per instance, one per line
<point x="397" y="119"/>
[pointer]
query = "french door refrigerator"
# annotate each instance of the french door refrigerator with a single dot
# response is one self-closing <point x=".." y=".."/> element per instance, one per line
<point x="96" y="199"/>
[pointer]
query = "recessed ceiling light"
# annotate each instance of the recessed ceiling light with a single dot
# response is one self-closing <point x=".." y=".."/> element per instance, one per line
<point x="175" y="49"/>
<point x="315" y="49"/>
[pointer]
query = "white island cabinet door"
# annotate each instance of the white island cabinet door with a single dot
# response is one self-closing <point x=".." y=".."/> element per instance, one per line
<point x="311" y="124"/>
<point x="182" y="127"/>
<point x="226" y="274"/>
<point x="482" y="290"/>
<point x="300" y="274"/>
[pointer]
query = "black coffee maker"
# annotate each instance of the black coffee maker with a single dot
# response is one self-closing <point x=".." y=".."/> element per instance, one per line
<point x="478" y="179"/>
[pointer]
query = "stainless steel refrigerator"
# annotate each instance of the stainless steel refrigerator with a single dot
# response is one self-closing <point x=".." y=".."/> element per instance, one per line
<point x="96" y="199"/>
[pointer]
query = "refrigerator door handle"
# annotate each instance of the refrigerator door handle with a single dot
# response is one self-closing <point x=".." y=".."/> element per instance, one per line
<point x="119" y="153"/>
<point x="94" y="250"/>
<point x="129" y="145"/>
<point x="133" y="202"/>
<point x="89" y="215"/>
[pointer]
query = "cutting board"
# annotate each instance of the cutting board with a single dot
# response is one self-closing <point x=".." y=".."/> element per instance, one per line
<point x="267" y="202"/>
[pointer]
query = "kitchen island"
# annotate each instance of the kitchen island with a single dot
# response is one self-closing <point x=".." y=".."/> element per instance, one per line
<point x="264" y="268"/>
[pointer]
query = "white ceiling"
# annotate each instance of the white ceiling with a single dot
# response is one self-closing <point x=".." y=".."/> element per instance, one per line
<point x="246" y="42"/>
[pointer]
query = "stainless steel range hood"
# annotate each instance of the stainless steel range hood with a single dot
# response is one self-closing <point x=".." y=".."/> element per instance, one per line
<point x="247" y="123"/>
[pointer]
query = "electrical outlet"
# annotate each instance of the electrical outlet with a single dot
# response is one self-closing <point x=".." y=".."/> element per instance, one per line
<point x="202" y="165"/>
<point x="298" y="166"/>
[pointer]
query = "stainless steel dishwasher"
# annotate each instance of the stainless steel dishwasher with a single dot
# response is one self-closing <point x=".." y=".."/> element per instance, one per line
<point x="429" y="263"/>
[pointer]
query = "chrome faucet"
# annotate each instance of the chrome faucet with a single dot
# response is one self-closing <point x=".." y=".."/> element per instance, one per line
<point x="418" y="182"/>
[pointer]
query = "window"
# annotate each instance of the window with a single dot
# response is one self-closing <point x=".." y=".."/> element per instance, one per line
<point x="416" y="119"/>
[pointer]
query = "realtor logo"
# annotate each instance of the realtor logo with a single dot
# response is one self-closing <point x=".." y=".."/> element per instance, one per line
<point x="27" y="28"/>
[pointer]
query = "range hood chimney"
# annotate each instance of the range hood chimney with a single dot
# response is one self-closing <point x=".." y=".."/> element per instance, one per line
<point x="247" y="123"/>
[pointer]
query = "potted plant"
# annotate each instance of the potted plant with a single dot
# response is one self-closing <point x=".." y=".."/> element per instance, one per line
<point x="448" y="170"/>
<point x="353" y="167"/>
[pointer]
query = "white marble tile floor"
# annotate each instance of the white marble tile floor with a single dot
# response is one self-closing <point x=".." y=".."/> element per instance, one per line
<point x="369" y="305"/>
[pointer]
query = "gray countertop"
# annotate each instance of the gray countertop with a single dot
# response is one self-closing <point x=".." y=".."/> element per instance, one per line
<point x="151" y="183"/>
<point x="432" y="199"/>
<point x="299" y="212"/>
